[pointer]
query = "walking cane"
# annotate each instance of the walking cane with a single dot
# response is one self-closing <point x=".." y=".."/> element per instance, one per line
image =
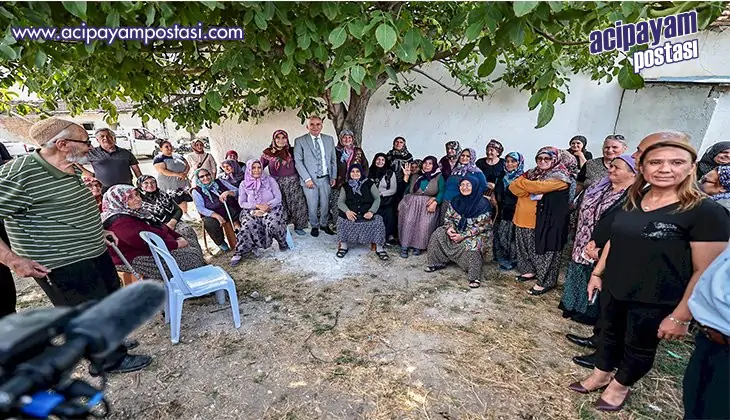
<point x="124" y="260"/>
<point x="235" y="230"/>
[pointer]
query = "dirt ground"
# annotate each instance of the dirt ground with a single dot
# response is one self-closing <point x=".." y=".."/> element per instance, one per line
<point x="361" y="338"/>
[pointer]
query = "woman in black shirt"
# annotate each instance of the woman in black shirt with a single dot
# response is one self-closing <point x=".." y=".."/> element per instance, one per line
<point x="578" y="149"/>
<point x="660" y="243"/>
<point x="505" y="252"/>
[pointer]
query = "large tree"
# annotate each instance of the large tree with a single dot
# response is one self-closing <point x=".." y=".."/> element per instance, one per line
<point x="316" y="57"/>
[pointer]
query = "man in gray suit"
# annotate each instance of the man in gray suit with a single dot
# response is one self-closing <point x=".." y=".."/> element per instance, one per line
<point x="316" y="163"/>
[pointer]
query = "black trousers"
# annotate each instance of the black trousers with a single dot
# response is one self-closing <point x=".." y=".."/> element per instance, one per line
<point x="628" y="337"/>
<point x="7" y="284"/>
<point x="214" y="229"/>
<point x="390" y="219"/>
<point x="707" y="381"/>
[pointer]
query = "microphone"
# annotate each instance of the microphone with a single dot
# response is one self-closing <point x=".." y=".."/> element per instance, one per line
<point x="106" y="324"/>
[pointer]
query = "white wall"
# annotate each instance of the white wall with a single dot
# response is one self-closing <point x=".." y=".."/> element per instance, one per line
<point x="713" y="61"/>
<point x="719" y="127"/>
<point x="437" y="116"/>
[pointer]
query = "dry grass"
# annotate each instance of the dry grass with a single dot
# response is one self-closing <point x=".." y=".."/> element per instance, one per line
<point x="393" y="342"/>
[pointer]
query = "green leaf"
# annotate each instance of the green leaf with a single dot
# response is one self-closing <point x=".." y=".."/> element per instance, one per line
<point x="428" y="48"/>
<point x="406" y="53"/>
<point x="370" y="83"/>
<point x="386" y="36"/>
<point x="522" y="8"/>
<point x="112" y="19"/>
<point x="150" y="13"/>
<point x="535" y="99"/>
<point x="369" y="48"/>
<point x="465" y="51"/>
<point x="545" y="115"/>
<point x="391" y="73"/>
<point x="413" y="38"/>
<point x="4" y="12"/>
<point x="473" y="31"/>
<point x="330" y="10"/>
<point x="320" y="52"/>
<point x="241" y="81"/>
<point x="628" y="79"/>
<point x="215" y="100"/>
<point x="8" y="52"/>
<point x="556" y="6"/>
<point x="76" y="8"/>
<point x="286" y="67"/>
<point x="290" y="47"/>
<point x="545" y="80"/>
<point x="485" y="46"/>
<point x="339" y="92"/>
<point x="356" y="28"/>
<point x="358" y="73"/>
<point x="260" y="21"/>
<point x="487" y="66"/>
<point x="40" y="58"/>
<point x="303" y="41"/>
<point x="517" y="32"/>
<point x="338" y="36"/>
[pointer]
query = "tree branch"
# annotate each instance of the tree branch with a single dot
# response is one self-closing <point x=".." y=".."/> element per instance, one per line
<point x="558" y="41"/>
<point x="450" y="89"/>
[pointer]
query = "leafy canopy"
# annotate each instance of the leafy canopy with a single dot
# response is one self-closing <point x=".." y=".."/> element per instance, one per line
<point x="312" y="56"/>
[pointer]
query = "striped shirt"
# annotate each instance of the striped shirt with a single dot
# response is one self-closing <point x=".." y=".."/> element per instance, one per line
<point x="50" y="216"/>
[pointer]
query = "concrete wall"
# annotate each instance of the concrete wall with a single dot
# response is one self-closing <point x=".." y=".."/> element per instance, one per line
<point x="713" y="61"/>
<point x="437" y="116"/>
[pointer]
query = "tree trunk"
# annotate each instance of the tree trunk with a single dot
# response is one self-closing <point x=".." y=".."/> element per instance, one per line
<point x="352" y="116"/>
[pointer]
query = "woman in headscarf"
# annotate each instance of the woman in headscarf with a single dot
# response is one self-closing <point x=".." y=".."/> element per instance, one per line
<point x="94" y="185"/>
<point x="493" y="165"/>
<point x="465" y="233"/>
<point x="598" y="198"/>
<point x="399" y="157"/>
<point x="123" y="214"/>
<point x="279" y="158"/>
<point x="231" y="172"/>
<point x="233" y="155"/>
<point x="211" y="197"/>
<point x="541" y="217"/>
<point x="173" y="176"/>
<point x="577" y="148"/>
<point x="716" y="184"/>
<point x="348" y="153"/>
<point x="448" y="162"/>
<point x="418" y="211"/>
<point x="358" y="221"/>
<point x="465" y="166"/>
<point x="596" y="169"/>
<point x="505" y="252"/>
<point x="163" y="208"/>
<point x="717" y="154"/>
<point x="385" y="180"/>
<point x="262" y="215"/>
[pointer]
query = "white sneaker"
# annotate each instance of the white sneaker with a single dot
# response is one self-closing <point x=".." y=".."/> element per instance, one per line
<point x="186" y="217"/>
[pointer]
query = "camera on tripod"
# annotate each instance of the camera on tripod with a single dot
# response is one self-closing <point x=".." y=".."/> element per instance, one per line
<point x="35" y="368"/>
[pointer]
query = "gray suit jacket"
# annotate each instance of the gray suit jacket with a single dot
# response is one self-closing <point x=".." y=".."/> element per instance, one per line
<point x="305" y="159"/>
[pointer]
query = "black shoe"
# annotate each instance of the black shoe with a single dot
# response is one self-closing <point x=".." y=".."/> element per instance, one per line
<point x="587" y="361"/>
<point x="582" y="341"/>
<point x="130" y="344"/>
<point x="328" y="230"/>
<point x="315" y="232"/>
<point x="130" y="363"/>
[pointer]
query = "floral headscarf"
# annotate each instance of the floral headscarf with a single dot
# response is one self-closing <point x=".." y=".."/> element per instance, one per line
<point x="453" y="144"/>
<point x="236" y="176"/>
<point x="356" y="184"/>
<point x="558" y="169"/>
<point x="348" y="152"/>
<point x="707" y="163"/>
<point x="116" y="202"/>
<point x="462" y="170"/>
<point x="232" y="153"/>
<point x="157" y="202"/>
<point x="510" y="176"/>
<point x="494" y="144"/>
<point x="723" y="172"/>
<point x="255" y="184"/>
<point x="207" y="189"/>
<point x="594" y="192"/>
<point x="282" y="156"/>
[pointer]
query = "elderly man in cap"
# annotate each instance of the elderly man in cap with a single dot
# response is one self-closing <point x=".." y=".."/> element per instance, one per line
<point x="111" y="163"/>
<point x="199" y="158"/>
<point x="54" y="226"/>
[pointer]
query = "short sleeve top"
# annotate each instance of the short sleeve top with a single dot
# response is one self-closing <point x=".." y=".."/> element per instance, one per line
<point x="173" y="163"/>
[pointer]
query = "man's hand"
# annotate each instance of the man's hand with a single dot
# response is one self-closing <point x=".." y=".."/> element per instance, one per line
<point x="109" y="234"/>
<point x="24" y="267"/>
<point x="309" y="184"/>
<point x="368" y="215"/>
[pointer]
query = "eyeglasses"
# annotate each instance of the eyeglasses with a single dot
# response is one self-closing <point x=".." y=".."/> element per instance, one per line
<point x="86" y="142"/>
<point x="543" y="159"/>
<point x="203" y="176"/>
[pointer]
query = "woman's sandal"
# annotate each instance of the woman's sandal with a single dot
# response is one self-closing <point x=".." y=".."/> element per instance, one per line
<point x="341" y="253"/>
<point x="536" y="292"/>
<point x="383" y="255"/>
<point x="432" y="268"/>
<point x="475" y="284"/>
<point x="522" y="278"/>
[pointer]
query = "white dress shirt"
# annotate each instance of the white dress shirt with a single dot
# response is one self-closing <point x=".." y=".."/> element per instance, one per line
<point x="318" y="143"/>
<point x="710" y="299"/>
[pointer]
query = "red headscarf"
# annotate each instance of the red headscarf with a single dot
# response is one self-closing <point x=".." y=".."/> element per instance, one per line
<point x="280" y="156"/>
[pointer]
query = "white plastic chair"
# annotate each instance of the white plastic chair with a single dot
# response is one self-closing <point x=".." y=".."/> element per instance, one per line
<point x="192" y="283"/>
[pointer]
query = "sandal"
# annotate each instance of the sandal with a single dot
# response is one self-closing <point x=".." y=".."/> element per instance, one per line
<point x="416" y="252"/>
<point x="522" y="278"/>
<point x="341" y="253"/>
<point x="475" y="284"/>
<point x="404" y="252"/>
<point x="536" y="292"/>
<point x="235" y="260"/>
<point x="383" y="255"/>
<point x="432" y="268"/>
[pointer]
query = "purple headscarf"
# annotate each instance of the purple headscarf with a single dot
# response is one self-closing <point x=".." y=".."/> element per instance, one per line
<point x="255" y="184"/>
<point x="594" y="191"/>
<point x="471" y="167"/>
<point x="236" y="176"/>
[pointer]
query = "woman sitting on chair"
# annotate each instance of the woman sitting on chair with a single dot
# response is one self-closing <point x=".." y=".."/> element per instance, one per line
<point x="231" y="172"/>
<point x="465" y="233"/>
<point x="262" y="215"/>
<point x="211" y="196"/>
<point x="163" y="209"/>
<point x="358" y="222"/>
<point x="123" y="215"/>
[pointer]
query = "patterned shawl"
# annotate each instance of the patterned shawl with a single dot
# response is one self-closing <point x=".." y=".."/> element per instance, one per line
<point x="157" y="203"/>
<point x="557" y="170"/>
<point x="396" y="157"/>
<point x="116" y="201"/>
<point x="723" y="172"/>
<point x="471" y="167"/>
<point x="278" y="156"/>
<point x="510" y="176"/>
<point x="208" y="189"/>
<point x="236" y="176"/>
<point x="427" y="175"/>
<point x="348" y="152"/>
<point x="597" y="189"/>
<point x="256" y="185"/>
<point x="356" y="184"/>
<point x="494" y="144"/>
